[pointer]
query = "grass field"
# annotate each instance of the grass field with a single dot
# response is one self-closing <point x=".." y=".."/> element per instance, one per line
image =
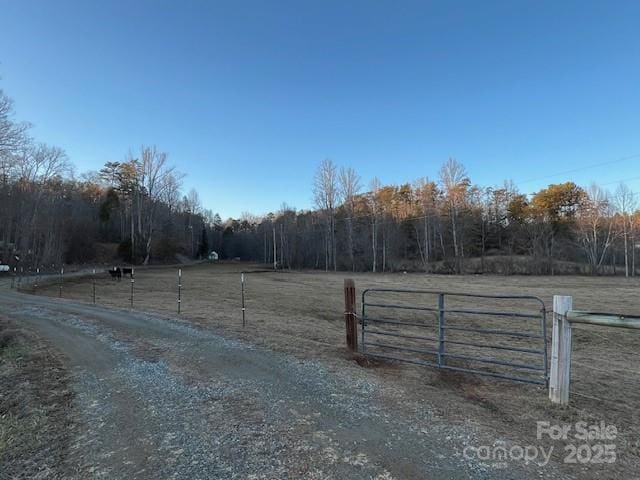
<point x="301" y="313"/>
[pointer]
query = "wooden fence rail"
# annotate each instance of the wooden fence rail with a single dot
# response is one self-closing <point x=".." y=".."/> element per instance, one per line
<point x="563" y="317"/>
<point x="603" y="319"/>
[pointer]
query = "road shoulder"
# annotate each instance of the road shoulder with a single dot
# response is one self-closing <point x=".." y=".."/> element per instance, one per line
<point x="35" y="405"/>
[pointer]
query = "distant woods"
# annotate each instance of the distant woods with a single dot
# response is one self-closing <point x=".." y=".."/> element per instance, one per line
<point x="134" y="210"/>
<point x="446" y="224"/>
<point x="130" y="211"/>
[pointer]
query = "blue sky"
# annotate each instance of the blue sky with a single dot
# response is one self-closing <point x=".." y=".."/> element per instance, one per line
<point x="247" y="97"/>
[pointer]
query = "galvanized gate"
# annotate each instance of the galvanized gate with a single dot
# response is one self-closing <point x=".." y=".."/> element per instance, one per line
<point x="501" y="336"/>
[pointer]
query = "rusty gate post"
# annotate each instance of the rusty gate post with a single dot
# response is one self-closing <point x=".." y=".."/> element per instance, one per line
<point x="350" y="314"/>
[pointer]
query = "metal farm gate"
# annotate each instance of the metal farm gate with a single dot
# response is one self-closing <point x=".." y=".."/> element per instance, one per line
<point x="501" y="336"/>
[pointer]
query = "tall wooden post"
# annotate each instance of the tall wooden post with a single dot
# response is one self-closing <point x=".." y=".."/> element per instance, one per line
<point x="560" y="374"/>
<point x="350" y="314"/>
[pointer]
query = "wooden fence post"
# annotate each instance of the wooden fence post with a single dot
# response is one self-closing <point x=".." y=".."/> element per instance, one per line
<point x="560" y="374"/>
<point x="350" y="314"/>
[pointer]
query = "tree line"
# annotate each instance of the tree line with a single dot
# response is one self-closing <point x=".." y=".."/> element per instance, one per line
<point x="134" y="210"/>
<point x="448" y="225"/>
<point x="131" y="210"/>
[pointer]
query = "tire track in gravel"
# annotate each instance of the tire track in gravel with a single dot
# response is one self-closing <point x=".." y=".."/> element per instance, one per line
<point x="157" y="398"/>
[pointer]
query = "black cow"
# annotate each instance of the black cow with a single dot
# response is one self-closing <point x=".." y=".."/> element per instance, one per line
<point x="116" y="273"/>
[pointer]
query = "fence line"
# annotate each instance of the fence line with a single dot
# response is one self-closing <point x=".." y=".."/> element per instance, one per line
<point x="619" y="345"/>
<point x="609" y="372"/>
<point x="57" y="284"/>
<point x="564" y="316"/>
<point x="565" y="319"/>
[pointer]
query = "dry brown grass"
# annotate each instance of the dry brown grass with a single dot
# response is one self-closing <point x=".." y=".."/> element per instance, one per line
<point x="301" y="313"/>
<point x="35" y="404"/>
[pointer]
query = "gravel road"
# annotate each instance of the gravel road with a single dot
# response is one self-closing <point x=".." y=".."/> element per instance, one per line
<point x="158" y="398"/>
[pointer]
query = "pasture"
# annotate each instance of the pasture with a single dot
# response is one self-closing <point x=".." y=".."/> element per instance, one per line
<point x="301" y="313"/>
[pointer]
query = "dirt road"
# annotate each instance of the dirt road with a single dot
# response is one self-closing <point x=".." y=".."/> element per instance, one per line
<point x="157" y="398"/>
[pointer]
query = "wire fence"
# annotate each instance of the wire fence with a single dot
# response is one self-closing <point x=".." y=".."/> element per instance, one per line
<point x="613" y="365"/>
<point x="619" y="368"/>
<point x="120" y="285"/>
<point x="575" y="363"/>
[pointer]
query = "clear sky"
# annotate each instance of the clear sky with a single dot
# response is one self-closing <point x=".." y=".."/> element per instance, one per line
<point x="247" y="97"/>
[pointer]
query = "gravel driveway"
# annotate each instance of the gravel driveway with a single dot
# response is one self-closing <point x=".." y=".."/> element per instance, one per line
<point x="157" y="398"/>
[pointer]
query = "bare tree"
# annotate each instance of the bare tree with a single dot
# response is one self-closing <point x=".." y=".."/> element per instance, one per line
<point x="349" y="189"/>
<point x="171" y="189"/>
<point x="192" y="203"/>
<point x="625" y="203"/>
<point x="13" y="135"/>
<point x="41" y="163"/>
<point x="326" y="196"/>
<point x="427" y="195"/>
<point x="595" y="226"/>
<point x="374" y="206"/>
<point x="154" y="180"/>
<point x="455" y="182"/>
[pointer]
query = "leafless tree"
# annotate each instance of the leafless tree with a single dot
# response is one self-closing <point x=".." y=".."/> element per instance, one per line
<point x="326" y="196"/>
<point x="193" y="204"/>
<point x="13" y="135"/>
<point x="156" y="176"/>
<point x="374" y="206"/>
<point x="595" y="226"/>
<point x="349" y="189"/>
<point x="427" y="197"/>
<point x="626" y="204"/>
<point x="454" y="180"/>
<point x="171" y="189"/>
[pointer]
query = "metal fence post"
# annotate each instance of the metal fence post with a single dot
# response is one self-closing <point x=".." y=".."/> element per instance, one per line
<point x="560" y="374"/>
<point x="61" y="280"/>
<point x="179" y="289"/>
<point x="441" y="349"/>
<point x="94" y="286"/>
<point x="350" y="314"/>
<point x="545" y="345"/>
<point x="35" y="285"/>
<point x="242" y="294"/>
<point x="132" y="282"/>
<point x="13" y="278"/>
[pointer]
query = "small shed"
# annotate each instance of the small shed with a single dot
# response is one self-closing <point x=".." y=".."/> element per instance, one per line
<point x="213" y="256"/>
